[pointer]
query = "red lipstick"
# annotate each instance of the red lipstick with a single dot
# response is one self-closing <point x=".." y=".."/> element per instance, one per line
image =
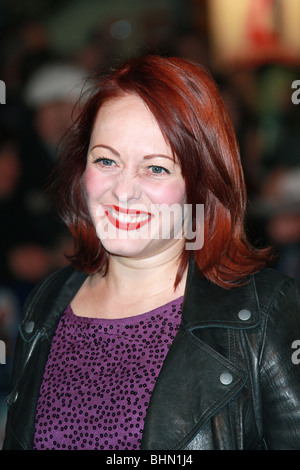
<point x="126" y="218"/>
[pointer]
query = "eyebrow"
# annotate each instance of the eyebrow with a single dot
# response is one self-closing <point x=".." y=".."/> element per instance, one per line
<point x="108" y="148"/>
<point x="116" y="153"/>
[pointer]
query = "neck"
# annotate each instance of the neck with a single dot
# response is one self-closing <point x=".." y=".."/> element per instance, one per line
<point x="131" y="278"/>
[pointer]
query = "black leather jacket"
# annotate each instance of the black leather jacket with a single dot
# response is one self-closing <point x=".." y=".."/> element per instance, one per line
<point x="228" y="381"/>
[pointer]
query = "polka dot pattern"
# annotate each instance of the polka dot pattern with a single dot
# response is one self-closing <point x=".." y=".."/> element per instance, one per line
<point x="99" y="378"/>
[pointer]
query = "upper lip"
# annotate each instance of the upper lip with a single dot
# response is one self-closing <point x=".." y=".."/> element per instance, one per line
<point x="127" y="210"/>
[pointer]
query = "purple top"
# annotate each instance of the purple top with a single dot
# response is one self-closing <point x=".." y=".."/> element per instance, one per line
<point x="99" y="378"/>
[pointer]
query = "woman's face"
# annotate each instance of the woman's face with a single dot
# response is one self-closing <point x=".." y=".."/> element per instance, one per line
<point x="135" y="189"/>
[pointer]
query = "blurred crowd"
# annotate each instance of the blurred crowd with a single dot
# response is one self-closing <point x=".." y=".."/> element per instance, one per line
<point x="42" y="87"/>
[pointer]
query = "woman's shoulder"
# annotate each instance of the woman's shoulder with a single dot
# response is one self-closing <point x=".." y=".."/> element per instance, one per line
<point x="52" y="281"/>
<point x="273" y="288"/>
<point x="57" y="288"/>
<point x="269" y="279"/>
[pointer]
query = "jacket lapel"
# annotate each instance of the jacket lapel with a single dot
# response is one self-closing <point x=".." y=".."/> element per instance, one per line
<point x="187" y="393"/>
<point x="196" y="381"/>
<point x="43" y="309"/>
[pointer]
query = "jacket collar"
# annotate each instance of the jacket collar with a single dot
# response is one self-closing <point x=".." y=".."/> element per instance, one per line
<point x="209" y="305"/>
<point x="48" y="301"/>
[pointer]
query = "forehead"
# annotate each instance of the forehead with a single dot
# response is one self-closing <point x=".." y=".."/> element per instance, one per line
<point x="125" y="109"/>
<point x="127" y="120"/>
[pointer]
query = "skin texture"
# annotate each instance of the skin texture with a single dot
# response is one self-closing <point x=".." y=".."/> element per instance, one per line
<point x="137" y="172"/>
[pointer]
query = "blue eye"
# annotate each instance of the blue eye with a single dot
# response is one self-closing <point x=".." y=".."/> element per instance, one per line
<point x="105" y="161"/>
<point x="159" y="170"/>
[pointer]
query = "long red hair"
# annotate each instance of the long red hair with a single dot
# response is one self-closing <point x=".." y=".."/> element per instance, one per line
<point x="184" y="99"/>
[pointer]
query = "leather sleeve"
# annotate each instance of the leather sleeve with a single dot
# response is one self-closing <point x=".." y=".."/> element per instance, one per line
<point x="280" y="373"/>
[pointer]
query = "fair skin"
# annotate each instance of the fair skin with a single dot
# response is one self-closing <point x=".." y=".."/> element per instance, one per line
<point x="130" y="171"/>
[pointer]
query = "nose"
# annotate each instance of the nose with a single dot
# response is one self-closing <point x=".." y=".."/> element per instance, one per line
<point x="126" y="188"/>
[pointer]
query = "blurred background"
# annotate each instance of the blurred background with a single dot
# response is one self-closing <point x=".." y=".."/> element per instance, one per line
<point x="47" y="50"/>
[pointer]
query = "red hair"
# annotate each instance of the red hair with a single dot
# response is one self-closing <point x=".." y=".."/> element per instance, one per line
<point x="184" y="99"/>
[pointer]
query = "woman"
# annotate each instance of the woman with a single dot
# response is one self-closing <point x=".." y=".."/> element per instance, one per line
<point x="146" y="341"/>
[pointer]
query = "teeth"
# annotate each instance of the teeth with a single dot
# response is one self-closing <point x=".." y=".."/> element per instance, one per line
<point x="126" y="218"/>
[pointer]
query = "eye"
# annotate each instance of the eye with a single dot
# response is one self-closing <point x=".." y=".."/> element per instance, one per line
<point x="158" y="170"/>
<point x="105" y="161"/>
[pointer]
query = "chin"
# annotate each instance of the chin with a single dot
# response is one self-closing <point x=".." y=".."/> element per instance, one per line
<point x="126" y="248"/>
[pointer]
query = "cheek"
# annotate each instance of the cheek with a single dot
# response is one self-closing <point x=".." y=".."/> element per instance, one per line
<point x="173" y="193"/>
<point x="90" y="182"/>
<point x="94" y="184"/>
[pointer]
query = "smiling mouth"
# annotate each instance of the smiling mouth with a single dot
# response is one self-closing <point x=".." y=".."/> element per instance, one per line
<point x="127" y="219"/>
